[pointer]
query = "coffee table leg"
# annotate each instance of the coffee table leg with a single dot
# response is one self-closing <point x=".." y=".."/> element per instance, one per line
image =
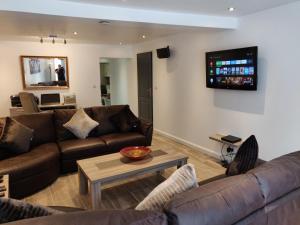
<point x="83" y="183"/>
<point x="95" y="194"/>
<point x="181" y="163"/>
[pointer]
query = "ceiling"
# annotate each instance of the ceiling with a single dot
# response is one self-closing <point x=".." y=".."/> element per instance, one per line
<point x="33" y="26"/>
<point x="207" y="7"/>
<point x="129" y="19"/>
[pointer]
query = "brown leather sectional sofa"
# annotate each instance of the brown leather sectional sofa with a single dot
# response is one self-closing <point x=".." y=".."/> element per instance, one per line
<point x="266" y="195"/>
<point x="55" y="150"/>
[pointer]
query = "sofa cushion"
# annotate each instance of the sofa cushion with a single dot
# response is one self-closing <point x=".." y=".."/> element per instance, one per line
<point x="39" y="159"/>
<point x="282" y="173"/>
<point x="245" y="158"/>
<point x="81" y="124"/>
<point x="15" y="137"/>
<point x="115" y="142"/>
<point x="42" y="125"/>
<point x="181" y="180"/>
<point x="223" y="202"/>
<point x="3" y="152"/>
<point x="102" y="115"/>
<point x="62" y="116"/>
<point x="13" y="210"/>
<point x="82" y="148"/>
<point x="125" y="120"/>
<point x="103" y="217"/>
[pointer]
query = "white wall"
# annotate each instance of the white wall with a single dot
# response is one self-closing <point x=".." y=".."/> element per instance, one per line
<point x="118" y="69"/>
<point x="186" y="109"/>
<point x="84" y="69"/>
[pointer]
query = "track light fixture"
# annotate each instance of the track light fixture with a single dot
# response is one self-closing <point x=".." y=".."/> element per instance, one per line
<point x="53" y="39"/>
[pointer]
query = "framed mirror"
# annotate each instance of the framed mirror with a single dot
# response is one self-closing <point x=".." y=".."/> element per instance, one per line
<point x="45" y="72"/>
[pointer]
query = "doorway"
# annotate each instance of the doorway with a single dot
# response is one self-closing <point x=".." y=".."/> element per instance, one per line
<point x="145" y="86"/>
<point x="115" y="76"/>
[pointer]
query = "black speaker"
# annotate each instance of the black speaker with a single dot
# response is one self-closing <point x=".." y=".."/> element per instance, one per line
<point x="163" y="53"/>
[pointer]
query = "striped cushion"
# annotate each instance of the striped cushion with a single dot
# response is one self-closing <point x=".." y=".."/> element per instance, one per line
<point x="245" y="158"/>
<point x="12" y="210"/>
<point x="181" y="180"/>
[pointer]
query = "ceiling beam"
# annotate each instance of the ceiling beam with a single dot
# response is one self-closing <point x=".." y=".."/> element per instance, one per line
<point x="91" y="11"/>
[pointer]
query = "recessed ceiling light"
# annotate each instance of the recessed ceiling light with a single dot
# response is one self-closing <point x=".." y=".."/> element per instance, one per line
<point x="75" y="33"/>
<point x="144" y="36"/>
<point x="231" y="9"/>
<point x="121" y="43"/>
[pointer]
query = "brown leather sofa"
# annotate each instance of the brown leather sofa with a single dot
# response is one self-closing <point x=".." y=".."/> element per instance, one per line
<point x="54" y="150"/>
<point x="266" y="195"/>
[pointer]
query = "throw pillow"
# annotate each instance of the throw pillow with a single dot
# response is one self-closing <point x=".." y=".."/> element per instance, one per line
<point x="181" y="180"/>
<point x="245" y="158"/>
<point x="15" y="137"/>
<point x="81" y="124"/>
<point x="3" y="153"/>
<point x="12" y="210"/>
<point x="125" y="120"/>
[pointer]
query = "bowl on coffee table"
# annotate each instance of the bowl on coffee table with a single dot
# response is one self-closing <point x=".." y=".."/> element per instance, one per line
<point x="135" y="152"/>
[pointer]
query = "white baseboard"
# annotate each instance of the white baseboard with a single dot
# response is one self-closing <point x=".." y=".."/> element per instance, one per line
<point x="189" y="144"/>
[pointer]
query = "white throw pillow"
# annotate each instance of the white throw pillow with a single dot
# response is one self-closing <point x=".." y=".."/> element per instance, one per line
<point x="81" y="124"/>
<point x="181" y="180"/>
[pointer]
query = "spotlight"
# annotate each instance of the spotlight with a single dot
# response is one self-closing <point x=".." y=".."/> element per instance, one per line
<point x="53" y="41"/>
<point x="65" y="41"/>
<point x="41" y="40"/>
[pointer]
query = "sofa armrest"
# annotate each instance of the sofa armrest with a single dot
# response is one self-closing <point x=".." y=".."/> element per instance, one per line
<point x="146" y="128"/>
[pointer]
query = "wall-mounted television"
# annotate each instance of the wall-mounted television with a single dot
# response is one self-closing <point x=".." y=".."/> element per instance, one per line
<point x="232" y="69"/>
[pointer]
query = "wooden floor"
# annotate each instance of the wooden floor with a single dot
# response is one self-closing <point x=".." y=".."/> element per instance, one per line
<point x="128" y="193"/>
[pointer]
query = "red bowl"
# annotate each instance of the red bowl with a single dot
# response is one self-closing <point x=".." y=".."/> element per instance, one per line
<point x="136" y="152"/>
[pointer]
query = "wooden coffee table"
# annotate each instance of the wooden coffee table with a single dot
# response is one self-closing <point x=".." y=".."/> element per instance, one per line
<point x="94" y="172"/>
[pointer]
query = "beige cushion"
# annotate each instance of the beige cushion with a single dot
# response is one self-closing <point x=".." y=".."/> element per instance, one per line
<point x="81" y="124"/>
<point x="181" y="180"/>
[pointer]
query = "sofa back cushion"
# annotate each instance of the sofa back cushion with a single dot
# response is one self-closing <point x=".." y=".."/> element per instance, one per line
<point x="102" y="115"/>
<point x="279" y="176"/>
<point x="42" y="126"/>
<point x="221" y="202"/>
<point x="103" y="217"/>
<point x="62" y="116"/>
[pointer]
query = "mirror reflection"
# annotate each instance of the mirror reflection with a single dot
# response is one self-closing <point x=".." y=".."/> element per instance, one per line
<point x="45" y="72"/>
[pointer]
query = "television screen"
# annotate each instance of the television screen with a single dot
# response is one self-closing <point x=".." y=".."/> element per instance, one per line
<point x="232" y="69"/>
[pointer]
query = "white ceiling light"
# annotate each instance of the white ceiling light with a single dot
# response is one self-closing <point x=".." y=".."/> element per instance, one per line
<point x="144" y="36"/>
<point x="231" y="9"/>
<point x="75" y="33"/>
